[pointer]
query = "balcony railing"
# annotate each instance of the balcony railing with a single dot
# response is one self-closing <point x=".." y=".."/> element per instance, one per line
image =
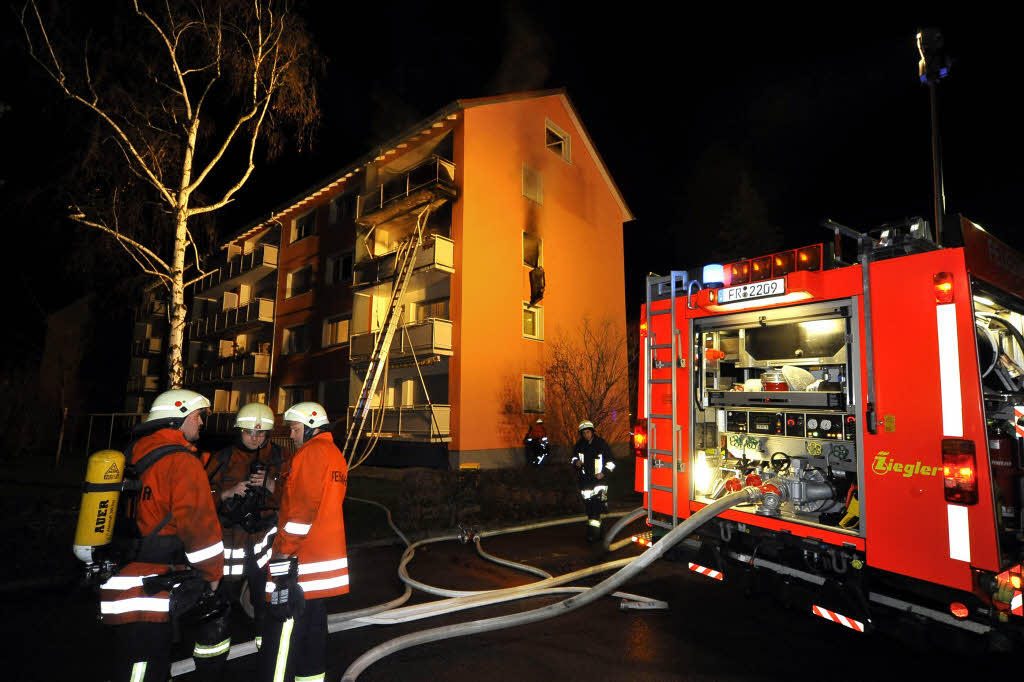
<point x="251" y="366"/>
<point x="248" y="266"/>
<point x="430" y="182"/>
<point x="140" y="383"/>
<point x="151" y="346"/>
<point x="412" y="422"/>
<point x="433" y="336"/>
<point x="436" y="252"/>
<point x="256" y="311"/>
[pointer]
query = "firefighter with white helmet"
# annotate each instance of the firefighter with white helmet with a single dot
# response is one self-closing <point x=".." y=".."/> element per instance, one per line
<point x="536" y="443"/>
<point x="177" y="523"/>
<point x="309" y="561"/>
<point x="594" y="463"/>
<point x="243" y="479"/>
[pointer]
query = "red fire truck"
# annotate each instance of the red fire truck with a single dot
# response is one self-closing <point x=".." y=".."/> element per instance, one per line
<point x="879" y="406"/>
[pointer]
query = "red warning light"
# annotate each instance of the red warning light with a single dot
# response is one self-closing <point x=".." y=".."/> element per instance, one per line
<point x="943" y="282"/>
<point x="761" y="269"/>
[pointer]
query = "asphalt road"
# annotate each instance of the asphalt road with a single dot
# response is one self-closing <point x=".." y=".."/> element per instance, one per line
<point x="711" y="630"/>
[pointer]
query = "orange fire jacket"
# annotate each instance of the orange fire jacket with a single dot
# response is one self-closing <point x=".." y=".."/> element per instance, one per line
<point x="176" y="484"/>
<point x="310" y="520"/>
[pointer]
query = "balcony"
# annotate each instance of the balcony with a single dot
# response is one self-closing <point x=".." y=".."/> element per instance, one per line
<point x="248" y="267"/>
<point x="251" y="366"/>
<point x="254" y="312"/>
<point x="142" y="383"/>
<point x="436" y="253"/>
<point x="420" y="339"/>
<point x="430" y="423"/>
<point x="142" y="347"/>
<point x="431" y="183"/>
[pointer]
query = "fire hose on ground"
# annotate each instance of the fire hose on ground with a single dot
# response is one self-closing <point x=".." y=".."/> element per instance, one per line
<point x="627" y="572"/>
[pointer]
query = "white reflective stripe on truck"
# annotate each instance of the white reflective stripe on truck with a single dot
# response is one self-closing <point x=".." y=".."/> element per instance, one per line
<point x="959" y="532"/>
<point x="949" y="372"/>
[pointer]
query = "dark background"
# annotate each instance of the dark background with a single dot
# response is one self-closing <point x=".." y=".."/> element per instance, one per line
<point x="705" y="119"/>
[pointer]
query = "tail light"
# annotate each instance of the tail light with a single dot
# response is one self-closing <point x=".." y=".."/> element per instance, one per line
<point x="959" y="610"/>
<point x="640" y="438"/>
<point x="943" y="282"/>
<point x="959" y="471"/>
<point x="783" y="263"/>
<point x="643" y="329"/>
<point x="761" y="269"/>
<point x="809" y="258"/>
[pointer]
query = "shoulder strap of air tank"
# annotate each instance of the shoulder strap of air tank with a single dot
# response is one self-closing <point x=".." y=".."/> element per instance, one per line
<point x="156" y="455"/>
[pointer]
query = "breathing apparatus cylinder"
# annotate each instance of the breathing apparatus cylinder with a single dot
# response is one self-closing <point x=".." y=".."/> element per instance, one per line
<point x="104" y="475"/>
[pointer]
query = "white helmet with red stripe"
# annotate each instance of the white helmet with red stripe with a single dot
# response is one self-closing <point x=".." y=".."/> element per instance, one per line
<point x="256" y="416"/>
<point x="308" y="414"/>
<point x="176" y="404"/>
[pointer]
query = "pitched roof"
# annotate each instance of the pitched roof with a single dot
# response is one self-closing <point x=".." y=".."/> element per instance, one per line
<point x="437" y="119"/>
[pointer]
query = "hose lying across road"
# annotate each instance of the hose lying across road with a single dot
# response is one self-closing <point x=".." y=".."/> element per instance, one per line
<point x="627" y="572"/>
<point x="393" y="612"/>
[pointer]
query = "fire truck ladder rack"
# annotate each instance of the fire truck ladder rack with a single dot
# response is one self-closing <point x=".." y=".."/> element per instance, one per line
<point x="657" y="288"/>
<point x="405" y="263"/>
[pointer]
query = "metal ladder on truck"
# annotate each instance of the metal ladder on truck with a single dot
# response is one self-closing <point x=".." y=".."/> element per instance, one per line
<point x="657" y="287"/>
<point x="405" y="263"/>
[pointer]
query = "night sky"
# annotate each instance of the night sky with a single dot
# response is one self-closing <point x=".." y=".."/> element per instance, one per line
<point x="804" y="116"/>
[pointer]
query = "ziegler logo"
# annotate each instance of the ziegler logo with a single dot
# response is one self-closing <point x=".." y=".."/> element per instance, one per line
<point x="884" y="464"/>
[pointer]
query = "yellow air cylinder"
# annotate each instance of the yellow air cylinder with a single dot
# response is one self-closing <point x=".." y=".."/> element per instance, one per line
<point x="103" y="476"/>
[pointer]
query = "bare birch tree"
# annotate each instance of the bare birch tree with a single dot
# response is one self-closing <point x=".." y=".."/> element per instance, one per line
<point x="587" y="379"/>
<point x="182" y="92"/>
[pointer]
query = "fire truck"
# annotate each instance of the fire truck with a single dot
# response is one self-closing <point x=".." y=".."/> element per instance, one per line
<point x="877" y="402"/>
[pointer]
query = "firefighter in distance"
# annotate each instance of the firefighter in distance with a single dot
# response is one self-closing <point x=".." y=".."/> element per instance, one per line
<point x="177" y="529"/>
<point x="593" y="461"/>
<point x="536" y="443"/>
<point x="243" y="480"/>
<point x="309" y="561"/>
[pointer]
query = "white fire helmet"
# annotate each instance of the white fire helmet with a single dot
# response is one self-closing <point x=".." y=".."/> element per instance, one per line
<point x="308" y="414"/>
<point x="256" y="416"/>
<point x="176" y="404"/>
<point x="585" y="425"/>
<point x="540" y="421"/>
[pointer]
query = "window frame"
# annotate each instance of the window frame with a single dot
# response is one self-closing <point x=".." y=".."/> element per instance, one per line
<point x="564" y="141"/>
<point x="294" y="236"/>
<point x="289" y="281"/>
<point x="331" y="278"/>
<point x="538" y="311"/>
<point x="540" y="250"/>
<point x="543" y="394"/>
<point x="333" y="319"/>
<point x="534" y="174"/>
<point x="285" y="350"/>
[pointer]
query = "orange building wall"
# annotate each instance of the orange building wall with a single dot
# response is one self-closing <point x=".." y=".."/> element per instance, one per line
<point x="580" y="223"/>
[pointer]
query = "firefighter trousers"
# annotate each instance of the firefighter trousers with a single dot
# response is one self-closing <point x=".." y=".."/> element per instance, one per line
<point x="142" y="652"/>
<point x="297" y="647"/>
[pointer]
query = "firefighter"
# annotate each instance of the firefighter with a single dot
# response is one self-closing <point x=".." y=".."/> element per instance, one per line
<point x="593" y="461"/>
<point x="309" y="562"/>
<point x="243" y="479"/>
<point x="536" y="443"/>
<point x="177" y="528"/>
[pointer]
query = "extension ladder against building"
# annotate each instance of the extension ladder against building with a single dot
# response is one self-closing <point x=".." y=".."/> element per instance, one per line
<point x="405" y="263"/>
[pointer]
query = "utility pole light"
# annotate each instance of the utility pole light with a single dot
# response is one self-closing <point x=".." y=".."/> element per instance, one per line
<point x="933" y="67"/>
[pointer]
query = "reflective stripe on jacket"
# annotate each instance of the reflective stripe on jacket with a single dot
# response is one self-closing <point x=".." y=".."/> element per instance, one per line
<point x="176" y="484"/>
<point x="310" y="522"/>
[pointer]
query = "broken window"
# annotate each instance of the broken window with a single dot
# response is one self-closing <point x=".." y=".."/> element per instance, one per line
<point x="557" y="140"/>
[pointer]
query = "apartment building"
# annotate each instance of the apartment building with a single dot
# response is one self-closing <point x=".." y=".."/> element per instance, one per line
<point x="521" y="238"/>
<point x="148" y="350"/>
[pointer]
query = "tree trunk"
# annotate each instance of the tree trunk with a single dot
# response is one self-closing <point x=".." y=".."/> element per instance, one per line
<point x="175" y="367"/>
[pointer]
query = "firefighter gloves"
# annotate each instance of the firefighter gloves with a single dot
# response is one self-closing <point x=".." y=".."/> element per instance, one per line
<point x="287" y="599"/>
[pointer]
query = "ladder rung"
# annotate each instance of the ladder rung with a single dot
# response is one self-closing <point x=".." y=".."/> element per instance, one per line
<point x="656" y="346"/>
<point x="661" y="452"/>
<point x="659" y="416"/>
<point x="661" y="381"/>
<point x="666" y="311"/>
<point x="663" y="488"/>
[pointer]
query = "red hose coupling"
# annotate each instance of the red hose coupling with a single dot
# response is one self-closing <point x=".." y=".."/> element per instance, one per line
<point x="769" y="488"/>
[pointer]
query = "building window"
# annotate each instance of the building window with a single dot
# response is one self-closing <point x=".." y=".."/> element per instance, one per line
<point x="335" y="331"/>
<point x="333" y="395"/>
<point x="533" y="186"/>
<point x="303" y="226"/>
<point x="342" y="208"/>
<point x="558" y="141"/>
<point x="533" y="321"/>
<point x="338" y="268"/>
<point x="295" y="340"/>
<point x="288" y="396"/>
<point x="299" y="281"/>
<point x="531" y="250"/>
<point x="533" y="394"/>
<point x="437" y="307"/>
